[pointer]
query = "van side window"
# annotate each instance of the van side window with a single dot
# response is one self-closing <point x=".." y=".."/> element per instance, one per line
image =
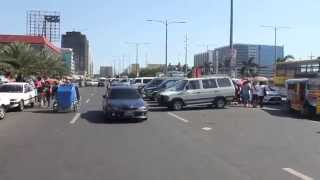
<point x="138" y="81"/>
<point x="209" y="83"/>
<point x="145" y="81"/>
<point x="292" y="86"/>
<point x="224" y="82"/>
<point x="194" y="84"/>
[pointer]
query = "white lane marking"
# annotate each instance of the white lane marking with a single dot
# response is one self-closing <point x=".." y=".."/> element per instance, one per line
<point x="297" y="174"/>
<point x="75" y="118"/>
<point x="206" y="128"/>
<point x="88" y="101"/>
<point x="178" y="117"/>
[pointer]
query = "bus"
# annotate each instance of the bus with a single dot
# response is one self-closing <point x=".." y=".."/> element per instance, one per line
<point x="296" y="69"/>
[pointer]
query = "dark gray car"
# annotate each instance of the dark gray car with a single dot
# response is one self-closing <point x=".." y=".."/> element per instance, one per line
<point x="123" y="102"/>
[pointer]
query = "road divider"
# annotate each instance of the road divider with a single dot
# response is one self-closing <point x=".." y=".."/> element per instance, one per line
<point x="297" y="174"/>
<point x="75" y="118"/>
<point x="178" y="117"/>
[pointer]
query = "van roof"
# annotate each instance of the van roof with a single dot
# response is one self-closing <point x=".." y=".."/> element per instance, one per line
<point x="208" y="77"/>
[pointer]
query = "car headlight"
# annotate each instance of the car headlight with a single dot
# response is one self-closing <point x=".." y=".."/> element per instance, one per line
<point x="143" y="108"/>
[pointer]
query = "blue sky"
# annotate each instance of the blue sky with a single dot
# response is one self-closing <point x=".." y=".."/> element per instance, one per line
<point x="108" y="24"/>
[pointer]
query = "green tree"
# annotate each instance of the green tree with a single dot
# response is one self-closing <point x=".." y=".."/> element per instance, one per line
<point x="249" y="68"/>
<point x="285" y="59"/>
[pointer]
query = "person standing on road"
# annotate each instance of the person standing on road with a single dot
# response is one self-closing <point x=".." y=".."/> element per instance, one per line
<point x="246" y="93"/>
<point x="255" y="99"/>
<point x="39" y="87"/>
<point x="261" y="91"/>
<point x="47" y="93"/>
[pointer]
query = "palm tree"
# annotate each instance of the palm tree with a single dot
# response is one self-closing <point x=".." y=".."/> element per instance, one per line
<point x="249" y="68"/>
<point x="18" y="56"/>
<point x="285" y="59"/>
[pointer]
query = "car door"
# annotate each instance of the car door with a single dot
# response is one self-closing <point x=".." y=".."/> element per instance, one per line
<point x="225" y="88"/>
<point x="210" y="89"/>
<point x="192" y="95"/>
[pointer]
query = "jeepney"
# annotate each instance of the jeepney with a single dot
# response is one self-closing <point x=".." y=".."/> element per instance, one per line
<point x="304" y="95"/>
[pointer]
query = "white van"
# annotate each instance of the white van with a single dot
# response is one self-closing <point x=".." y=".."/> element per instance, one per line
<point x="214" y="90"/>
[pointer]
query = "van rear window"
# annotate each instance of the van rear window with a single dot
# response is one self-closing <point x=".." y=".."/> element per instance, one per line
<point x="224" y="82"/>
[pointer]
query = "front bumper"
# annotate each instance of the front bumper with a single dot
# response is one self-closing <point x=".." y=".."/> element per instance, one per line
<point x="272" y="99"/>
<point x="127" y="114"/>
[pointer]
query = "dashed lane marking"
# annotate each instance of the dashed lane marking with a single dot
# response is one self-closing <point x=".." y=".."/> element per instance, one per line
<point x="75" y="118"/>
<point x="178" y="117"/>
<point x="297" y="174"/>
<point x="207" y="128"/>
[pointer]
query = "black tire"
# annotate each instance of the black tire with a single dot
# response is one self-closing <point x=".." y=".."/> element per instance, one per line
<point x="21" y="106"/>
<point x="220" y="103"/>
<point x="32" y="102"/>
<point x="2" y="112"/>
<point x="177" y="105"/>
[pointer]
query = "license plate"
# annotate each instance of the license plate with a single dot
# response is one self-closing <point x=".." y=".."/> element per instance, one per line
<point x="129" y="113"/>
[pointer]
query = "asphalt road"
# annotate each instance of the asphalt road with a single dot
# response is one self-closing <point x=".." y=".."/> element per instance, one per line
<point x="197" y="143"/>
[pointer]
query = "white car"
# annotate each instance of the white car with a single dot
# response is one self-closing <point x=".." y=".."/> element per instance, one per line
<point x="18" y="94"/>
<point x="92" y="82"/>
<point x="4" y="104"/>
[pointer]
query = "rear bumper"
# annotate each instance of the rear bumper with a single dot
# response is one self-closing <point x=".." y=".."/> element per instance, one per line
<point x="272" y="99"/>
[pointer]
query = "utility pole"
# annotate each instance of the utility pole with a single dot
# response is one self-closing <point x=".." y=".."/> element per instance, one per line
<point x="166" y="23"/>
<point x="137" y="45"/>
<point x="186" y="55"/>
<point x="232" y="58"/>
<point x="275" y="29"/>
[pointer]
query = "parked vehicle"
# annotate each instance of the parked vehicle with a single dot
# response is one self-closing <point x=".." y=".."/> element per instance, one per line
<point x="272" y="96"/>
<point x="90" y="82"/>
<point x="304" y="96"/>
<point x="4" y="104"/>
<point x="153" y="84"/>
<point x="142" y="81"/>
<point x="19" y="95"/>
<point x="102" y="82"/>
<point x="124" y="102"/>
<point x="151" y="93"/>
<point x="67" y="99"/>
<point x="214" y="91"/>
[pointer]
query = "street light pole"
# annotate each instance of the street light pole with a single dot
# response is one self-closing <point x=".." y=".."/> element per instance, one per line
<point x="186" y="55"/>
<point x="275" y="29"/>
<point x="137" y="45"/>
<point x="166" y="23"/>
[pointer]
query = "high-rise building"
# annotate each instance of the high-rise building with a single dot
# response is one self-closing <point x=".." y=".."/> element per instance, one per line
<point x="106" y="71"/>
<point x="262" y="54"/>
<point x="80" y="46"/>
<point x="67" y="58"/>
<point x="155" y="66"/>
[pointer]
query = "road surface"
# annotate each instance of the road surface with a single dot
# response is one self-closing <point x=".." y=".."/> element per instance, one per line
<point x="197" y="143"/>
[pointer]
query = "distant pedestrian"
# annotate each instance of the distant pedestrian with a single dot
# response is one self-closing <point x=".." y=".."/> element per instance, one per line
<point x="255" y="92"/>
<point x="39" y="86"/>
<point x="261" y="94"/>
<point x="246" y="94"/>
<point x="47" y="92"/>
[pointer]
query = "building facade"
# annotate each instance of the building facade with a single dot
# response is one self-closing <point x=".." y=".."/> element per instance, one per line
<point x="80" y="46"/>
<point x="154" y="66"/>
<point x="67" y="57"/>
<point x="106" y="71"/>
<point x="38" y="43"/>
<point x="219" y="59"/>
<point x="134" y="69"/>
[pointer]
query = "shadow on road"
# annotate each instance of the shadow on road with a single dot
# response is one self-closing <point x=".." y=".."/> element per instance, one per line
<point x="97" y="117"/>
<point x="188" y="108"/>
<point x="282" y="111"/>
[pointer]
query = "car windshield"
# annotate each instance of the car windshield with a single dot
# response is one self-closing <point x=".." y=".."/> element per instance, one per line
<point x="124" y="94"/>
<point x="11" y="88"/>
<point x="180" y="85"/>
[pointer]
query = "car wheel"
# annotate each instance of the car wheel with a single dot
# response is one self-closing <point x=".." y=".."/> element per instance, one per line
<point x="2" y="112"/>
<point x="21" y="106"/>
<point x="220" y="103"/>
<point x="32" y="102"/>
<point x="177" y="105"/>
